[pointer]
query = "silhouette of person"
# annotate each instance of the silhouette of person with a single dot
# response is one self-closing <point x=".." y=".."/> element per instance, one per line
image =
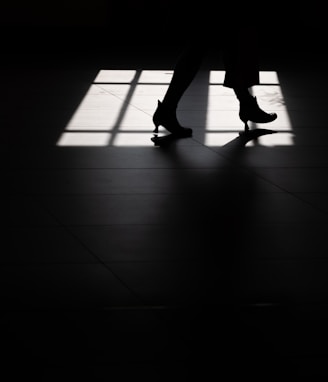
<point x="237" y="39"/>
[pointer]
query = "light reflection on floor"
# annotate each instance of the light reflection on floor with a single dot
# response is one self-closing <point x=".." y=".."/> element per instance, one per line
<point x="118" y="107"/>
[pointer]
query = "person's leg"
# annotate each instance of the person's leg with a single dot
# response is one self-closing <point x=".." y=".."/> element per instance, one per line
<point x="242" y="72"/>
<point x="184" y="72"/>
<point x="241" y="61"/>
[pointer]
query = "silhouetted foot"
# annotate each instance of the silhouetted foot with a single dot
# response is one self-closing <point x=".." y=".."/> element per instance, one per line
<point x="167" y="118"/>
<point x="250" y="111"/>
<point x="164" y="140"/>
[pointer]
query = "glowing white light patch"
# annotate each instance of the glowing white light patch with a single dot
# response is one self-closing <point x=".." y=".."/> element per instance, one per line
<point x="215" y="139"/>
<point x="118" y="107"/>
<point x="131" y="139"/>
<point x="156" y="76"/>
<point x="271" y="140"/>
<point x="93" y="119"/>
<point x="269" y="77"/>
<point x="115" y="76"/>
<point x="285" y="139"/>
<point x="216" y="77"/>
<point x="84" y="139"/>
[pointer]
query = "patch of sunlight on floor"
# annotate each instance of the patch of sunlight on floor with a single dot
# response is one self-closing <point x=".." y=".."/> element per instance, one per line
<point x="84" y="139"/>
<point x="132" y="139"/>
<point x="115" y="76"/>
<point x="281" y="139"/>
<point x="118" y="107"/>
<point x="270" y="140"/>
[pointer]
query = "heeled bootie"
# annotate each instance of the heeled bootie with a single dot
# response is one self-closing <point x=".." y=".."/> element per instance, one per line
<point x="167" y="118"/>
<point x="250" y="111"/>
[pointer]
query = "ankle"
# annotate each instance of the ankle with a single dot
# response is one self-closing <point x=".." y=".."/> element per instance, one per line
<point x="168" y="106"/>
<point x="243" y="94"/>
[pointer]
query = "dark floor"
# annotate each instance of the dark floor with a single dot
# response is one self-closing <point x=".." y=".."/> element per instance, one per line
<point x="126" y="261"/>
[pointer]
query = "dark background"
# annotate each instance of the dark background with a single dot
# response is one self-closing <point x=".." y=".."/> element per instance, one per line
<point x="82" y="25"/>
<point x="40" y="328"/>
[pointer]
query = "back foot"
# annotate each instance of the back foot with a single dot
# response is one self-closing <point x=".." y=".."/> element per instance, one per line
<point x="167" y="118"/>
<point x="250" y="111"/>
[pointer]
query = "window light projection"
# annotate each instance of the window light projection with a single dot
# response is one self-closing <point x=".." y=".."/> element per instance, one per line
<point x="118" y="107"/>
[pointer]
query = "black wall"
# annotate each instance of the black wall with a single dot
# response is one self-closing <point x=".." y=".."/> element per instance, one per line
<point x="95" y="24"/>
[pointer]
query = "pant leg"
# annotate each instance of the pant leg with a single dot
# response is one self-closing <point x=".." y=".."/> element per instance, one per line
<point x="240" y="57"/>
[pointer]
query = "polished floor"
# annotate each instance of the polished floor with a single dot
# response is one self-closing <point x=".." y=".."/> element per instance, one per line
<point x="123" y="260"/>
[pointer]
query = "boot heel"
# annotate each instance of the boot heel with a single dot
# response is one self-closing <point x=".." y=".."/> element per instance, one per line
<point x="167" y="118"/>
<point x="156" y="128"/>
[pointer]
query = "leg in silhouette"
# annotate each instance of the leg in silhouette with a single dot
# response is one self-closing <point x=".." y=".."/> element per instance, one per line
<point x="240" y="56"/>
<point x="249" y="109"/>
<point x="185" y="71"/>
<point x="242" y="72"/>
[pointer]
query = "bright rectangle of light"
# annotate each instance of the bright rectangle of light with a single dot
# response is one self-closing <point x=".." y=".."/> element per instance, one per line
<point x="104" y="112"/>
<point x="84" y="139"/>
<point x="115" y="76"/>
<point x="270" y="140"/>
<point x="132" y="139"/>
